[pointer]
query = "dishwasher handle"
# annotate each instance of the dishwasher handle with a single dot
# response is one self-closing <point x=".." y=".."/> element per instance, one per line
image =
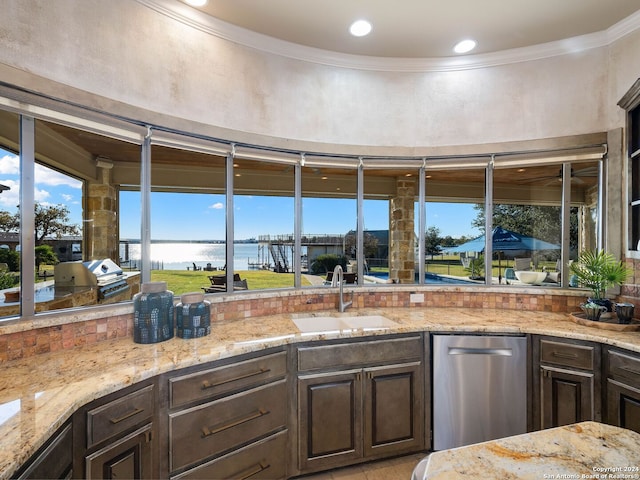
<point x="503" y="352"/>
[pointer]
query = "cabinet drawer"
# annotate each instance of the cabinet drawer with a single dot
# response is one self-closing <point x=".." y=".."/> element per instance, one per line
<point x="624" y="366"/>
<point x="119" y="415"/>
<point x="207" y="430"/>
<point x="567" y="354"/>
<point x="347" y="355"/>
<point x="265" y="459"/>
<point x="206" y="384"/>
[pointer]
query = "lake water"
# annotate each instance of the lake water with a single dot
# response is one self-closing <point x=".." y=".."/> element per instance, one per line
<point x="179" y="256"/>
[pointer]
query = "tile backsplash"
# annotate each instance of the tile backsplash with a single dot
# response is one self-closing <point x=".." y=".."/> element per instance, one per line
<point x="27" y="343"/>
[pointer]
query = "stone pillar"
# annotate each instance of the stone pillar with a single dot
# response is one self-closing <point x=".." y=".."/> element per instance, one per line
<point x="402" y="262"/>
<point x="100" y="230"/>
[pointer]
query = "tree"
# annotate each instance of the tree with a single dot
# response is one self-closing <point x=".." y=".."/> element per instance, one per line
<point x="370" y="244"/>
<point x="45" y="255"/>
<point x="432" y="241"/>
<point x="50" y="221"/>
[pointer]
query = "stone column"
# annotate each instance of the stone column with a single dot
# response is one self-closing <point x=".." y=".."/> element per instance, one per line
<point x="402" y="262"/>
<point x="100" y="231"/>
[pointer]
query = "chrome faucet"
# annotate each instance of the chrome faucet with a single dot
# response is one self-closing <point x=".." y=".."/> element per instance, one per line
<point x="338" y="281"/>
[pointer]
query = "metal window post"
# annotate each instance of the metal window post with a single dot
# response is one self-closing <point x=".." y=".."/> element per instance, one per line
<point x="145" y="203"/>
<point x="27" y="215"/>
<point x="488" y="223"/>
<point x="297" y="224"/>
<point x="229" y="218"/>
<point x="422" y="223"/>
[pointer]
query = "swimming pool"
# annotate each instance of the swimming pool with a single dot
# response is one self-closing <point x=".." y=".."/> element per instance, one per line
<point x="429" y="278"/>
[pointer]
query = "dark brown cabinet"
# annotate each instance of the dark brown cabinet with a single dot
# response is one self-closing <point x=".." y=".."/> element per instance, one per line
<point x="117" y="435"/>
<point x="54" y="460"/>
<point x="127" y="457"/>
<point x="330" y="419"/>
<point x="346" y="415"/>
<point x="393" y="409"/>
<point x="566" y="382"/>
<point x="623" y="389"/>
<point x="228" y="420"/>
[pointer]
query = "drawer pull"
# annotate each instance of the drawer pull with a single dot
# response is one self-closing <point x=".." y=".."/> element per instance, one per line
<point x="565" y="355"/>
<point x="207" y="431"/>
<point x="206" y="385"/>
<point x="128" y="415"/>
<point x="253" y="471"/>
<point x="630" y="370"/>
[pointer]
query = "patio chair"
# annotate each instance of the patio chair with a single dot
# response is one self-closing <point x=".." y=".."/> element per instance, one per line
<point x="219" y="283"/>
<point x="348" y="278"/>
<point x="522" y="264"/>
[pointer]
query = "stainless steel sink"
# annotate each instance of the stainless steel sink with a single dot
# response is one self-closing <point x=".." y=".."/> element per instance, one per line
<point x="329" y="324"/>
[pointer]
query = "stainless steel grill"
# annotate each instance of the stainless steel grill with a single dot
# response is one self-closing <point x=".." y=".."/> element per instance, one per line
<point x="105" y="275"/>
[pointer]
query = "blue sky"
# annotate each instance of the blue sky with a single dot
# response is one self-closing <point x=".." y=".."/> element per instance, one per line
<point x="202" y="216"/>
<point x="51" y="187"/>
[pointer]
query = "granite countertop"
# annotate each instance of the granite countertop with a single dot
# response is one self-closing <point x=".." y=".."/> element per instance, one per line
<point x="38" y="394"/>
<point x="582" y="450"/>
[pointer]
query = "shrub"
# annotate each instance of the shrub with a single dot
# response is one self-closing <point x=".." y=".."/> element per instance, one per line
<point x="11" y="258"/>
<point x="8" y="280"/>
<point x="327" y="262"/>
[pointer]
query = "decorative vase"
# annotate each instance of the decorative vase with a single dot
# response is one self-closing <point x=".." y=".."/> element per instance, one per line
<point x="193" y="318"/>
<point x="624" y="311"/>
<point x="592" y="311"/>
<point x="605" y="302"/>
<point x="153" y="313"/>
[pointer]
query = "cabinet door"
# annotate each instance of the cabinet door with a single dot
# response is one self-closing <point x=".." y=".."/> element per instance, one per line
<point x="393" y="409"/>
<point x="55" y="460"/>
<point x="129" y="457"/>
<point x="329" y="419"/>
<point x="567" y="396"/>
<point x="623" y="405"/>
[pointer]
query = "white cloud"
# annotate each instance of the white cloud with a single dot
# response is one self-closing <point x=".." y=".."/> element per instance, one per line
<point x="9" y="165"/>
<point x="67" y="198"/>
<point x="46" y="176"/>
<point x="217" y="206"/>
<point x="9" y="199"/>
<point x="41" y="196"/>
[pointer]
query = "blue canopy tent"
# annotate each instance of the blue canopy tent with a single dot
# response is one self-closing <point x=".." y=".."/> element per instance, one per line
<point x="503" y="240"/>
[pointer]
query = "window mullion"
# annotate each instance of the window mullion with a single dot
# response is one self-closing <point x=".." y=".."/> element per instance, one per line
<point x="27" y="215"/>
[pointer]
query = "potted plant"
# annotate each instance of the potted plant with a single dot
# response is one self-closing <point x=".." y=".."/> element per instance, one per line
<point x="599" y="271"/>
<point x="476" y="268"/>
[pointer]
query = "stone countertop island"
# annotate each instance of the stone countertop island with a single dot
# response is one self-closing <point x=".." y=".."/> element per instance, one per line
<point x="582" y="450"/>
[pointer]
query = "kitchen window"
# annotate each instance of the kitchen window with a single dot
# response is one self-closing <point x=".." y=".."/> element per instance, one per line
<point x="150" y="167"/>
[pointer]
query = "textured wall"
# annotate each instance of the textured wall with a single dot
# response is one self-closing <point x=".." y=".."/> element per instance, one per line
<point x="127" y="52"/>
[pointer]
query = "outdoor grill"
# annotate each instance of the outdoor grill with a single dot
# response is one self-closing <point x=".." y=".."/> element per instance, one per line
<point x="104" y="275"/>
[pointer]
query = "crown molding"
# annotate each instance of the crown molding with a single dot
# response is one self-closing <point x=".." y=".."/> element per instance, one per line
<point x="213" y="26"/>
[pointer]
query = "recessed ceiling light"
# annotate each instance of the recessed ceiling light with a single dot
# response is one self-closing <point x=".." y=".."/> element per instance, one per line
<point x="360" y="28"/>
<point x="196" y="3"/>
<point x="464" y="46"/>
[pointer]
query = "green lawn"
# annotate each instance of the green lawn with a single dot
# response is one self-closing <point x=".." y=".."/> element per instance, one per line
<point x="183" y="281"/>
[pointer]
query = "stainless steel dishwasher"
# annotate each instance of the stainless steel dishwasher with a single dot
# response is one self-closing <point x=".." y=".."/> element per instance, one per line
<point x="479" y="388"/>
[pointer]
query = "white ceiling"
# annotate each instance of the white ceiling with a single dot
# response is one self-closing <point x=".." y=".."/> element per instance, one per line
<point x="422" y="28"/>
